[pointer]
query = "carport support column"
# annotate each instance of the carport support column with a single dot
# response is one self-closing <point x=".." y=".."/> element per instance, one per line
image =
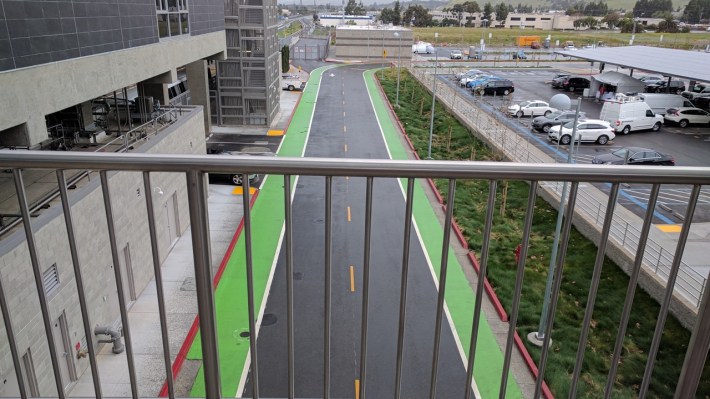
<point x="199" y="90"/>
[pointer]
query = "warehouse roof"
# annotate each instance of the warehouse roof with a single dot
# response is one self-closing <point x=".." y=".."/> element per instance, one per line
<point x="692" y="65"/>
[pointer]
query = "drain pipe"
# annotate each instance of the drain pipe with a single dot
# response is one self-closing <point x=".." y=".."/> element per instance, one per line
<point x="115" y="335"/>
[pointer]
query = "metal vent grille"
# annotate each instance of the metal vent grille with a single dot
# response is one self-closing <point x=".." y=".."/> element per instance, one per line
<point x="50" y="280"/>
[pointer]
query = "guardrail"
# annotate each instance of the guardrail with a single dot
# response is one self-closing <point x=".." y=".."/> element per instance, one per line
<point x="194" y="168"/>
<point x="495" y="128"/>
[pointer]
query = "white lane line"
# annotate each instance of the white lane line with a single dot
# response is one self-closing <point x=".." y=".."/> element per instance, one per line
<point x="267" y="290"/>
<point x="459" y="346"/>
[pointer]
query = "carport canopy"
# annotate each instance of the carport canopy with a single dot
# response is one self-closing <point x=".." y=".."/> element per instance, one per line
<point x="623" y="83"/>
<point x="691" y="65"/>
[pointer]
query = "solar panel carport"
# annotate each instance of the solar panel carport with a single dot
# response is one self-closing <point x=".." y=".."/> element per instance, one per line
<point x="691" y="65"/>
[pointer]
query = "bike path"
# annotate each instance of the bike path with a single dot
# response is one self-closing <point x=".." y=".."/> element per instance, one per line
<point x="460" y="297"/>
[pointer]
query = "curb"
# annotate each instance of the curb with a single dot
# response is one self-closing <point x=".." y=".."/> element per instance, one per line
<point x="488" y="288"/>
<point x="192" y="332"/>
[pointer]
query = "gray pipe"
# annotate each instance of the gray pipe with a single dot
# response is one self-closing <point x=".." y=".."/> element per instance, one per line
<point x="115" y="335"/>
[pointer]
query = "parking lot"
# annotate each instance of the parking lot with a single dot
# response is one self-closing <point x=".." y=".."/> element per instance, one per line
<point x="689" y="146"/>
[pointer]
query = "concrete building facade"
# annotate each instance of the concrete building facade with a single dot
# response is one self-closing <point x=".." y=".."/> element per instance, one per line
<point x="475" y="19"/>
<point x="62" y="64"/>
<point x="372" y="42"/>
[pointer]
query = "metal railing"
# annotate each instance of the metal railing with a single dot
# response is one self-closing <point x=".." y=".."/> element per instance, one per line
<point x="194" y="169"/>
<point x="501" y="133"/>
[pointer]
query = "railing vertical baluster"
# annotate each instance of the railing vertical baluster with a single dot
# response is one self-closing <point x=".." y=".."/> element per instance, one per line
<point x="442" y="283"/>
<point x="147" y="187"/>
<point x="253" y="356"/>
<point x="631" y="289"/>
<point x="197" y="202"/>
<point x="119" y="282"/>
<point x="327" y="283"/>
<point x="403" y="286"/>
<point x="42" y="296"/>
<point x="515" y="307"/>
<point x="490" y="207"/>
<point x="670" y="286"/>
<point x="289" y="284"/>
<point x="68" y="220"/>
<point x="10" y="331"/>
<point x="594" y="285"/>
<point x="696" y="354"/>
<point x="567" y="227"/>
<point x="365" y="287"/>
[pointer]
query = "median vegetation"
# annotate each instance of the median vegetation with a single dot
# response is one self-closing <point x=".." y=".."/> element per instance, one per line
<point x="453" y="141"/>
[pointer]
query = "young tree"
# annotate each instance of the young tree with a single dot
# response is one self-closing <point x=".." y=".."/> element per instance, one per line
<point x="502" y="12"/>
<point x="487" y="11"/>
<point x="668" y="25"/>
<point x="611" y="20"/>
<point x="397" y="14"/>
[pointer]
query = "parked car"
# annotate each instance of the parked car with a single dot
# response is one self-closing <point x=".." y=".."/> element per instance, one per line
<point x="660" y="103"/>
<point x="545" y="122"/>
<point x="292" y="83"/>
<point x="520" y="55"/>
<point x="627" y="114"/>
<point x="236" y="178"/>
<point x="478" y="82"/>
<point x="588" y="131"/>
<point x="699" y="90"/>
<point x="455" y="55"/>
<point x="468" y="80"/>
<point x="470" y="72"/>
<point x="649" y="79"/>
<point x="574" y="83"/>
<point x="497" y="87"/>
<point x="557" y="80"/>
<point x="531" y="108"/>
<point x="702" y="103"/>
<point x="687" y="116"/>
<point x="677" y="87"/>
<point x="634" y="156"/>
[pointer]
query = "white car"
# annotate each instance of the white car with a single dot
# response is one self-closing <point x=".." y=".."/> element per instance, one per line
<point x="470" y="72"/>
<point x="531" y="108"/>
<point x="456" y="55"/>
<point x="589" y="131"/>
<point x="687" y="116"/>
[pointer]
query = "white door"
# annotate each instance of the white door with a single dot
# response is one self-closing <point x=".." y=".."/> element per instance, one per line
<point x="64" y="354"/>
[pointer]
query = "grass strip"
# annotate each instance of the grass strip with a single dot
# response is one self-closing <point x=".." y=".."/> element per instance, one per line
<point x="453" y="141"/>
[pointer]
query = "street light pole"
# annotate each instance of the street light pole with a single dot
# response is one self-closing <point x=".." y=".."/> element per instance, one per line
<point x="433" y="96"/>
<point x="399" y="62"/>
<point x="540" y="335"/>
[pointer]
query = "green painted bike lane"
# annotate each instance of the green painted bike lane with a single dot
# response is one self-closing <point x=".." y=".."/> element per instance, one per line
<point x="459" y="296"/>
<point x="267" y="220"/>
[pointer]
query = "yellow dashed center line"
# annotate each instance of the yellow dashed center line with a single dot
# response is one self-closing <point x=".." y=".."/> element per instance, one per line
<point x="352" y="280"/>
<point x="357" y="389"/>
<point x="349" y="216"/>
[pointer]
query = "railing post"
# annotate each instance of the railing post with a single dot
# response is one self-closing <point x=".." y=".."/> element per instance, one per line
<point x="197" y="201"/>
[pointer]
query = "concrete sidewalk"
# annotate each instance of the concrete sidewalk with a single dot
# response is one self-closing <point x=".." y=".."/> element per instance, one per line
<point x="225" y="213"/>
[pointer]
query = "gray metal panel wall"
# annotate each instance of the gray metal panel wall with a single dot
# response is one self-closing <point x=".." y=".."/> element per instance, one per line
<point x="38" y="32"/>
<point x="206" y="16"/>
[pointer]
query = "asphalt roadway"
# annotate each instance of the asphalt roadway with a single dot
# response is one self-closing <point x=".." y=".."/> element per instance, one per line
<point x="345" y="126"/>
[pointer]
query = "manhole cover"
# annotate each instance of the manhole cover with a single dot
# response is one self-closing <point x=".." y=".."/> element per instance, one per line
<point x="268" y="319"/>
<point x="244" y="334"/>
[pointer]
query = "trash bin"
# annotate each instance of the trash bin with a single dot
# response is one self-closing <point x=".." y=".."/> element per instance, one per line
<point x="585" y="93"/>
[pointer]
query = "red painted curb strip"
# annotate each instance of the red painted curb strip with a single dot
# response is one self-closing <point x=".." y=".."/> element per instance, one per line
<point x="531" y="364"/>
<point x="489" y="289"/>
<point x="459" y="234"/>
<point x="436" y="192"/>
<point x="192" y="332"/>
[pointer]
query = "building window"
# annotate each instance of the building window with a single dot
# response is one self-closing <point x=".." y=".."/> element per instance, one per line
<point x="530" y="18"/>
<point x="172" y="17"/>
<point x="515" y="18"/>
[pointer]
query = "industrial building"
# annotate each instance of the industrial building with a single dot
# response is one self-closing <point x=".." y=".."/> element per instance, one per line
<point x="374" y="43"/>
